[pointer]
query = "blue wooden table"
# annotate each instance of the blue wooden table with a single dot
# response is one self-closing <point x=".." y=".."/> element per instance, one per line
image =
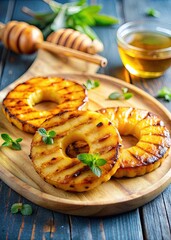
<point x="152" y="221"/>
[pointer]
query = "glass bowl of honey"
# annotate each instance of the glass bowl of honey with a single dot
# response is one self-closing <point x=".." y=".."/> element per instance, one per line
<point x="145" y="47"/>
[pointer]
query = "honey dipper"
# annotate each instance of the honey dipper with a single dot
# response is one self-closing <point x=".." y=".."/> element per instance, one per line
<point x="21" y="37"/>
<point x="74" y="39"/>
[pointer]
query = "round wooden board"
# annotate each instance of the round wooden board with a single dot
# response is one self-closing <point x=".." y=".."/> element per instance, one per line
<point x="113" y="197"/>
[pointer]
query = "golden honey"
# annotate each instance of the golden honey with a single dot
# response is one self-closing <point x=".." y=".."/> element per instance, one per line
<point x="145" y="53"/>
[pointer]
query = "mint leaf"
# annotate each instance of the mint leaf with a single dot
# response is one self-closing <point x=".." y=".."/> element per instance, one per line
<point x="15" y="208"/>
<point x="101" y="162"/>
<point x="164" y="93"/>
<point x="86" y="158"/>
<point x="128" y="95"/>
<point x="42" y="132"/>
<point x="6" y="144"/>
<point x="19" y="140"/>
<point x="96" y="170"/>
<point x="9" y="142"/>
<point x="124" y="90"/>
<point x="48" y="140"/>
<point x="104" y="20"/>
<point x="90" y="84"/>
<point x="15" y="146"/>
<point x="47" y="137"/>
<point x="124" y="95"/>
<point x="26" y="210"/>
<point x="6" y="137"/>
<point x="114" y="96"/>
<point x="93" y="161"/>
<point x="52" y="134"/>
<point x="151" y="12"/>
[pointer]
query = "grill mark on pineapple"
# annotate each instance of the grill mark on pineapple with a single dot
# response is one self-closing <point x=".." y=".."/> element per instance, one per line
<point x="156" y="144"/>
<point x="100" y="124"/>
<point x="24" y="112"/>
<point x="43" y="153"/>
<point x="105" y="137"/>
<point x="165" y="141"/>
<point x="144" y="160"/>
<point x="157" y="135"/>
<point x="107" y="149"/>
<point x="32" y="119"/>
<point x="69" y="166"/>
<point x="141" y="119"/>
<point x="156" y="153"/>
<point x="69" y="178"/>
<point x="18" y="102"/>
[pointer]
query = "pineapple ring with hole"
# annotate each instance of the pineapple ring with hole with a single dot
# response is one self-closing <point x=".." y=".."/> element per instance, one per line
<point x="153" y="140"/>
<point x="18" y="105"/>
<point x="57" y="168"/>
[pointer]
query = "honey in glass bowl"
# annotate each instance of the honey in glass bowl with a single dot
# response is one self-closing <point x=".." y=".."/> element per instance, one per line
<point x="145" y="48"/>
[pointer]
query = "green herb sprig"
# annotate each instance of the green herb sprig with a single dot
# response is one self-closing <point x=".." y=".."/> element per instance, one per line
<point x="124" y="95"/>
<point x="9" y="142"/>
<point x="90" y="84"/>
<point x="24" y="209"/>
<point x="164" y="93"/>
<point x="94" y="161"/>
<point x="76" y="15"/>
<point x="47" y="137"/>
<point x="151" y="12"/>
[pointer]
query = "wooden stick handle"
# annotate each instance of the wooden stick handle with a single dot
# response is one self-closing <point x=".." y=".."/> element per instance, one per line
<point x="101" y="61"/>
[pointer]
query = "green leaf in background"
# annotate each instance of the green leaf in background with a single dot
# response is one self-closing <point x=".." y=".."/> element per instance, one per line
<point x="151" y="12"/>
<point x="104" y="20"/>
<point x="60" y="20"/>
<point x="92" y="9"/>
<point x="81" y="2"/>
<point x="77" y="15"/>
<point x="91" y="84"/>
<point x="164" y="93"/>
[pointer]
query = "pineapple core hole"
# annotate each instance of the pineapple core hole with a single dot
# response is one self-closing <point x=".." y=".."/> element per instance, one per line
<point x="129" y="141"/>
<point x="77" y="147"/>
<point x="45" y="106"/>
<point x="44" y="100"/>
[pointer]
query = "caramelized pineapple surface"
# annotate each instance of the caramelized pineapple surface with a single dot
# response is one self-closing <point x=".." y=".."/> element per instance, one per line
<point x="153" y="140"/>
<point x="56" y="167"/>
<point x="18" y="105"/>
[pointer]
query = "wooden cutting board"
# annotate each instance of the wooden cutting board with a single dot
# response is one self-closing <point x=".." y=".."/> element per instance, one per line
<point x="113" y="197"/>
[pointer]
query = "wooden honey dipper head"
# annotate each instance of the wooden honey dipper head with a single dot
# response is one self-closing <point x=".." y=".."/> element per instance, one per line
<point x="21" y="37"/>
<point x="75" y="40"/>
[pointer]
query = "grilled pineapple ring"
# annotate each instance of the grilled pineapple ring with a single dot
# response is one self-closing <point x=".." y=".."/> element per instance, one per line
<point x="152" y="147"/>
<point x="57" y="168"/>
<point x="18" y="106"/>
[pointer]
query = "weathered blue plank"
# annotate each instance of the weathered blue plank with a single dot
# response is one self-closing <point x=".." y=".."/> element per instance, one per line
<point x="155" y="218"/>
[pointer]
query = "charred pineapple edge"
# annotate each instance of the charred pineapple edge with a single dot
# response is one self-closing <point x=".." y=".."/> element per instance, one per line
<point x="11" y="111"/>
<point x="152" y="163"/>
